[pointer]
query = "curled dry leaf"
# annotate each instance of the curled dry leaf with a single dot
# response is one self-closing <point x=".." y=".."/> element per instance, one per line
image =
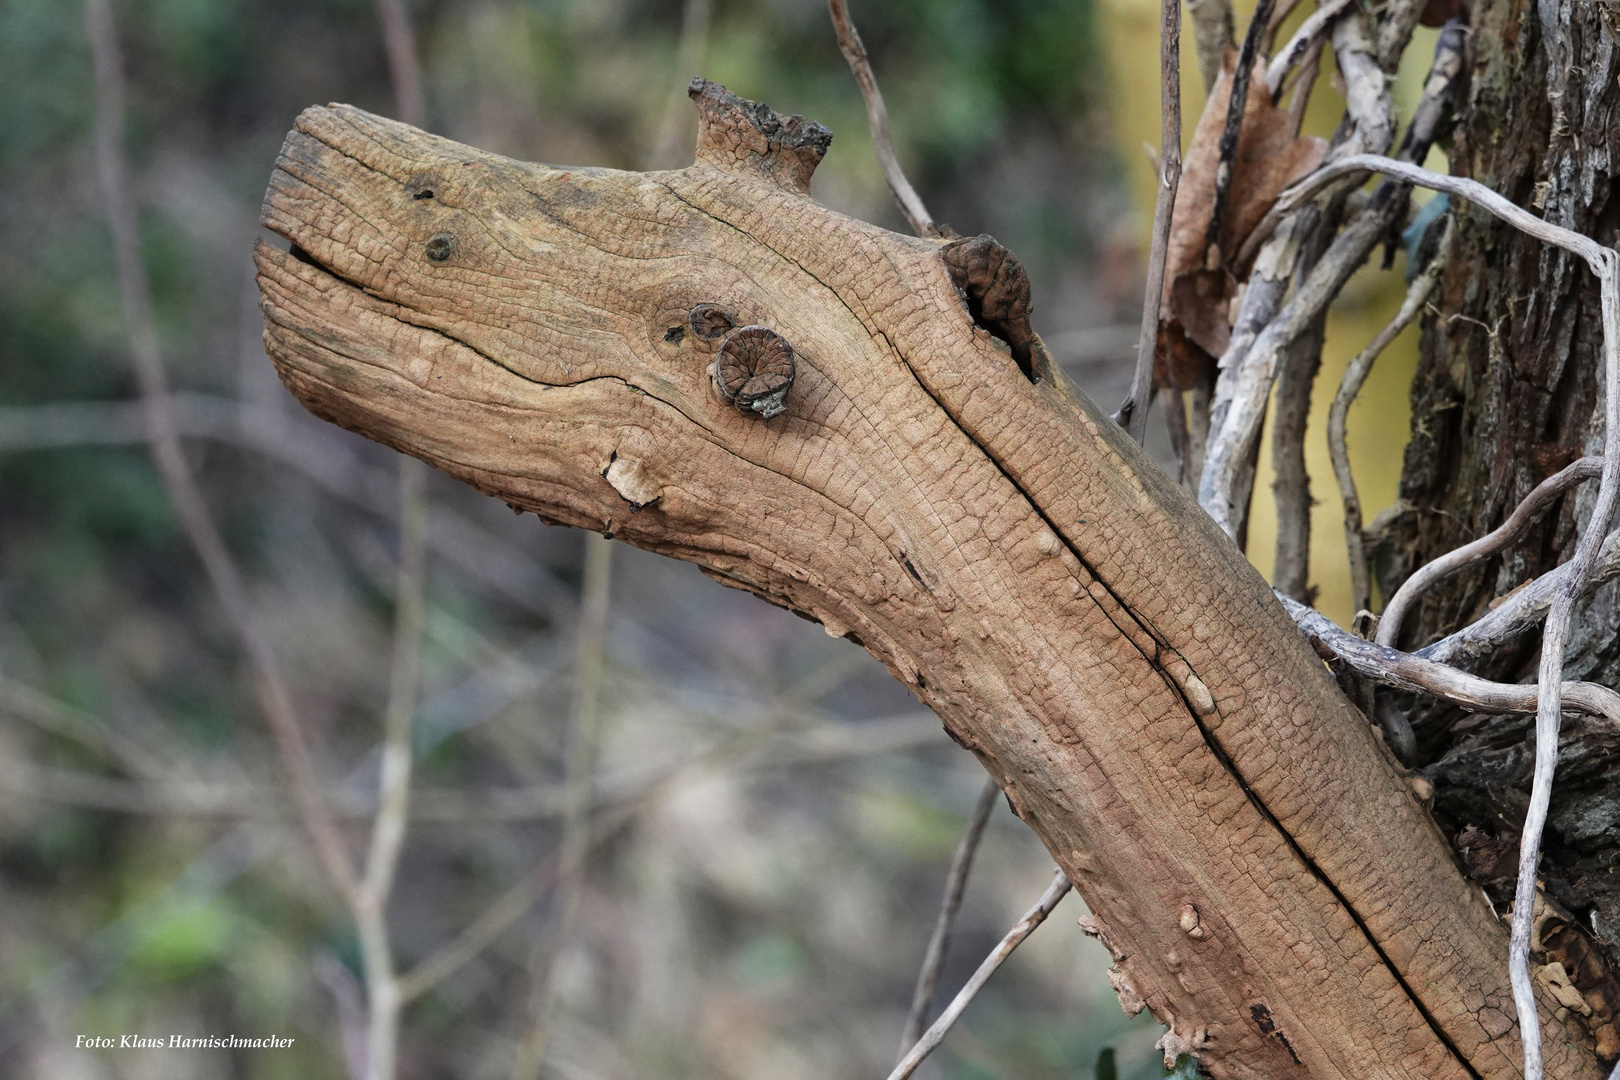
<point x="1200" y="281"/>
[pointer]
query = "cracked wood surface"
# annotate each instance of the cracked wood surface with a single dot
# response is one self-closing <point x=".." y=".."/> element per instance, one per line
<point x="1068" y="612"/>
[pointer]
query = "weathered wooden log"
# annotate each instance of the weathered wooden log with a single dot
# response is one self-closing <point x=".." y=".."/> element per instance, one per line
<point x="1265" y="879"/>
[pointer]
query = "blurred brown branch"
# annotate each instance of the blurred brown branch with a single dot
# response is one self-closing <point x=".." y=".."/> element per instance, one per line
<point x="184" y="495"/>
<point x="877" y="118"/>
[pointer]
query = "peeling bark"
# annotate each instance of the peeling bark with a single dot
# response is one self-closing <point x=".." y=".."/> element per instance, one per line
<point x="1269" y="885"/>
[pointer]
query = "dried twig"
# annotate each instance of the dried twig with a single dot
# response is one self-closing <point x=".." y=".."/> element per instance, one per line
<point x="1212" y="34"/>
<point x="1234" y="118"/>
<point x="1279" y="15"/>
<point x="178" y="481"/>
<point x="584" y="722"/>
<point x="1355" y="376"/>
<point x="1275" y="247"/>
<point x="1022" y="929"/>
<point x="1248" y="375"/>
<point x="922" y="998"/>
<point x="92" y="732"/>
<point x="231" y="798"/>
<point x="1521" y="610"/>
<point x="1407" y="671"/>
<point x="625" y="806"/>
<point x="1528" y="510"/>
<point x="877" y="118"/>
<point x="1133" y="414"/>
<point x="1310" y="33"/>
<point x="1303" y="85"/>
<point x="1396" y="22"/>
<point x="1291" y="483"/>
<point x="1235" y="421"/>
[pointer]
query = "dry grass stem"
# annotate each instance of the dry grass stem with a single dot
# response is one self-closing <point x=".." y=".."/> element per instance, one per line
<point x="1134" y="412"/>
<point x="939" y="942"/>
<point x="1022" y="929"/>
<point x="178" y="481"/>
<point x="877" y="118"/>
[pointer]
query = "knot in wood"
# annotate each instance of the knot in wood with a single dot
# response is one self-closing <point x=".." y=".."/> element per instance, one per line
<point x="996" y="288"/>
<point x="754" y="370"/>
<point x="710" y="322"/>
<point x="440" y="247"/>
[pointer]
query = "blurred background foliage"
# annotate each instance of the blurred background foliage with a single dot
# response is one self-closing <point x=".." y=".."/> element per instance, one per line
<point x="762" y="908"/>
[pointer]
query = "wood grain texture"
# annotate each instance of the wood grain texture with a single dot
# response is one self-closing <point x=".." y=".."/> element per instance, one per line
<point x="1002" y="547"/>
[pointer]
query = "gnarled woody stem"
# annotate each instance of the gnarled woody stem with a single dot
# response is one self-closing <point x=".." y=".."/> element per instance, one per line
<point x="1008" y="553"/>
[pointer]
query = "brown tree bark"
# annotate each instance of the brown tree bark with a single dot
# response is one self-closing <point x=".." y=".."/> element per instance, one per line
<point x="1263" y="875"/>
<point x="1508" y="392"/>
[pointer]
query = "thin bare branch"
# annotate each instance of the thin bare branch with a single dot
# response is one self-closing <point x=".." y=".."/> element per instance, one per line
<point x="579" y="779"/>
<point x="939" y="942"/>
<point x="1396" y="22"/>
<point x="877" y="118"/>
<point x="1407" y="671"/>
<point x="1234" y="117"/>
<point x="1235" y="421"/>
<point x="673" y="142"/>
<point x="92" y="732"/>
<point x="1525" y="514"/>
<point x="404" y="70"/>
<point x="1368" y="107"/>
<point x="1261" y="332"/>
<point x="1310" y="33"/>
<point x="1521" y="610"/>
<point x="1247" y="376"/>
<point x="1303" y="85"/>
<point x="1550" y="672"/>
<point x="1279" y="15"/>
<point x="1212" y="34"/>
<point x="178" y="481"/>
<point x="1355" y="376"/>
<point x="1022" y="929"/>
<point x="394" y="785"/>
<point x="1134" y="412"/>
<point x="1291" y="483"/>
<point x="1588" y="249"/>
